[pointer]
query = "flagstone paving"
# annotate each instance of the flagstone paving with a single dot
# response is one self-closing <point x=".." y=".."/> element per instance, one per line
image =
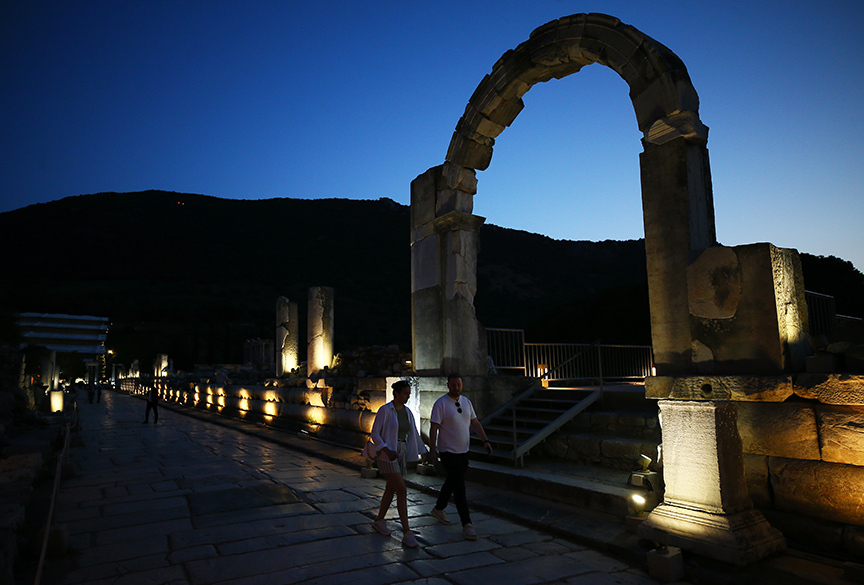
<point x="185" y="501"/>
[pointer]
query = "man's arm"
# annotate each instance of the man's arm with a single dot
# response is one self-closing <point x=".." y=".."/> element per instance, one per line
<point x="433" y="441"/>
<point x="478" y="428"/>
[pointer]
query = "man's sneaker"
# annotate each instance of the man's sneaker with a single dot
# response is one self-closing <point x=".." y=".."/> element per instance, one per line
<point x="381" y="528"/>
<point x="468" y="532"/>
<point x="409" y="540"/>
<point x="440" y="515"/>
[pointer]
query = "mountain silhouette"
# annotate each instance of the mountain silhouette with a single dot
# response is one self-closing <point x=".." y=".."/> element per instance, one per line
<point x="194" y="276"/>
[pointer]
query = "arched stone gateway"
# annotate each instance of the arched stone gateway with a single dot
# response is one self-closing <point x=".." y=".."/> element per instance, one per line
<point x="714" y="310"/>
<point x="677" y="204"/>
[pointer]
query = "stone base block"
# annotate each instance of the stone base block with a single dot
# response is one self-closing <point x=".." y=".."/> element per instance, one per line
<point x="666" y="564"/>
<point x="739" y="539"/>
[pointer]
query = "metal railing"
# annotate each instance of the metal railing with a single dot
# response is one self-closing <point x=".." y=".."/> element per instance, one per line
<point x="506" y="347"/>
<point x="508" y="351"/>
<point x="822" y="314"/>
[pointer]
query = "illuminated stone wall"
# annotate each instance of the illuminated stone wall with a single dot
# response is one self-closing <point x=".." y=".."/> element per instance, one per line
<point x="802" y="439"/>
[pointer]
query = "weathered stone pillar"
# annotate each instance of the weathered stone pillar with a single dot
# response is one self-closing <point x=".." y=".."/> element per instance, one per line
<point x="446" y="335"/>
<point x="48" y="370"/>
<point x="320" y="329"/>
<point x="706" y="506"/>
<point x="678" y="212"/>
<point x="160" y="365"/>
<point x="287" y="346"/>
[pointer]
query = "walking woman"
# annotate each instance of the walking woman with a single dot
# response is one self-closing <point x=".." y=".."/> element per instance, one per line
<point x="396" y="442"/>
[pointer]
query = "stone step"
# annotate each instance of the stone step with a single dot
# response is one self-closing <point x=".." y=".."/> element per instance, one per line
<point x="614" y="452"/>
<point x="634" y="424"/>
<point x="596" y="488"/>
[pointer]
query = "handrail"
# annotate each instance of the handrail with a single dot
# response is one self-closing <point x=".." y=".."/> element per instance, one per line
<point x="57" y="473"/>
<point x="520" y="450"/>
<point x="529" y="389"/>
<point x="518" y="396"/>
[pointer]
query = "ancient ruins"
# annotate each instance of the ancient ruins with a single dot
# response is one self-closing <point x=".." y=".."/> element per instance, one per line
<point x="761" y="438"/>
<point x="729" y="324"/>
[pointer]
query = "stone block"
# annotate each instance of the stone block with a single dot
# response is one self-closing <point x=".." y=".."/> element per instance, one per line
<point x="459" y="178"/>
<point x="841" y="431"/>
<point x="424" y="264"/>
<point x="425" y="316"/>
<point x="747" y="307"/>
<point x="423" y="190"/>
<point x="584" y="447"/>
<point x="631" y="421"/>
<point x="737" y="388"/>
<point x="602" y="420"/>
<point x="453" y="200"/>
<point x="830" y="491"/>
<point x="812" y="532"/>
<point x="778" y="429"/>
<point x="845" y="389"/>
<point x="622" y="448"/>
<point x="469" y="153"/>
<point x="758" y="480"/>
<point x="703" y="462"/>
<point x="666" y="564"/>
<point x="480" y="124"/>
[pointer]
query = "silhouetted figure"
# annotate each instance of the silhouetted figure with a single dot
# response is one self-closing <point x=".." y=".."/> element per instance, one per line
<point x="152" y="400"/>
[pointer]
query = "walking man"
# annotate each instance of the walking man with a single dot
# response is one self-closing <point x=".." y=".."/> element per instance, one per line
<point x="451" y="420"/>
<point x="152" y="402"/>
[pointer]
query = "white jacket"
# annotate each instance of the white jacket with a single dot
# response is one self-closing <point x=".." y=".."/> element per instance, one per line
<point x="385" y="432"/>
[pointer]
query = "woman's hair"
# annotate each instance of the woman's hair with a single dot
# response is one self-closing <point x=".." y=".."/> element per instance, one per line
<point x="400" y="385"/>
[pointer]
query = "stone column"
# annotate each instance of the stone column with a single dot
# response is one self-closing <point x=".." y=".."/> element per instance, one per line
<point x="678" y="212"/>
<point x="446" y="335"/>
<point x="320" y="329"/>
<point x="706" y="506"/>
<point x="49" y="373"/>
<point x="287" y="346"/>
<point x="160" y="366"/>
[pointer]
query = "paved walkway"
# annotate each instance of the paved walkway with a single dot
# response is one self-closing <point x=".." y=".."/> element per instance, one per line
<point x="201" y="498"/>
<point x="188" y="501"/>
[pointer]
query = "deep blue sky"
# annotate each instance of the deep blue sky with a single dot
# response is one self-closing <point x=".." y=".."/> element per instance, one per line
<point x="251" y="100"/>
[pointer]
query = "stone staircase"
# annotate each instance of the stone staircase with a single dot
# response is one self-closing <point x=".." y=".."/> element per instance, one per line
<point x="586" y="460"/>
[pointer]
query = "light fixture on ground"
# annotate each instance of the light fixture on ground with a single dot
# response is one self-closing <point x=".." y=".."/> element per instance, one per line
<point x="646" y="492"/>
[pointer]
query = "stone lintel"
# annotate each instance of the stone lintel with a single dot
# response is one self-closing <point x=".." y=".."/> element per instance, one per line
<point x="831" y="388"/>
<point x="457" y="220"/>
<point x="739" y="539"/>
<point x="737" y="388"/>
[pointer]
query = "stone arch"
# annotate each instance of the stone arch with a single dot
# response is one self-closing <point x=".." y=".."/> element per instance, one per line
<point x="677" y="199"/>
<point x="665" y="102"/>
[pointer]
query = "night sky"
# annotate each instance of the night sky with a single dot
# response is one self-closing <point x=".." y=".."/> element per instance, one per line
<point x="250" y="100"/>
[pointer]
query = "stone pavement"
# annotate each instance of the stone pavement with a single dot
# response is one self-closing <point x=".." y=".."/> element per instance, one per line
<point x="188" y="501"/>
<point x="203" y="499"/>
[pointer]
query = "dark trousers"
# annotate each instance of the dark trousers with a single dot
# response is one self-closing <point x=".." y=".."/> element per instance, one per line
<point x="455" y="464"/>
<point x="151" y="405"/>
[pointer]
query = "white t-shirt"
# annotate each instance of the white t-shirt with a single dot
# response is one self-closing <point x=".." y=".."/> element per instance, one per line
<point x="453" y="434"/>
